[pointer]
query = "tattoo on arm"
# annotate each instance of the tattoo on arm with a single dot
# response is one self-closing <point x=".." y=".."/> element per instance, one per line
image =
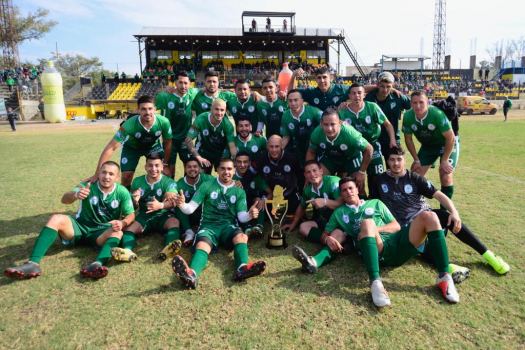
<point x="191" y="146"/>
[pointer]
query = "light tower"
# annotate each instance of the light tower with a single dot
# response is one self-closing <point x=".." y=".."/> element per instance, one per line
<point x="440" y="23"/>
<point x="8" y="34"/>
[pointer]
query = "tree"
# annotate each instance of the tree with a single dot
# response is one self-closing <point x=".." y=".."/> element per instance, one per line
<point x="34" y="26"/>
<point x="76" y="65"/>
<point x="510" y="49"/>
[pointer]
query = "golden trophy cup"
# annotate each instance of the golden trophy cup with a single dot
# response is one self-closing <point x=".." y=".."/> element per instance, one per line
<point x="276" y="210"/>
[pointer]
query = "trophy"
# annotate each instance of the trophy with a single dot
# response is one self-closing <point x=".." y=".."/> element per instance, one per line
<point x="276" y="209"/>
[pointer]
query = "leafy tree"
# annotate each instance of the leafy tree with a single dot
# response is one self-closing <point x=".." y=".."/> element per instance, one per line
<point x="33" y="26"/>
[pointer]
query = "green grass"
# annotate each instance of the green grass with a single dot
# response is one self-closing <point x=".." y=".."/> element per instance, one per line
<point x="141" y="305"/>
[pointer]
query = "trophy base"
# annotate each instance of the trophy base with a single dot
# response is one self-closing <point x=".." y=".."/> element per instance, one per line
<point x="276" y="243"/>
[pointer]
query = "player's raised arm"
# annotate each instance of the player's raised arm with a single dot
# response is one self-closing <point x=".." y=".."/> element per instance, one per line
<point x="105" y="156"/>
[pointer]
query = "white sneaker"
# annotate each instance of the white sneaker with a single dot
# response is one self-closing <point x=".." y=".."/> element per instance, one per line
<point x="189" y="235"/>
<point x="446" y="284"/>
<point x="379" y="295"/>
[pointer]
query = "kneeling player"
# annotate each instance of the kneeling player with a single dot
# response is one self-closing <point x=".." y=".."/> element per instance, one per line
<point x="323" y="193"/>
<point x="223" y="204"/>
<point x="97" y="223"/>
<point x="381" y="240"/>
<point x="149" y="195"/>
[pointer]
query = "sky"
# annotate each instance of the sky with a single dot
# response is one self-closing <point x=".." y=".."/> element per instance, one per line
<point x="105" y="28"/>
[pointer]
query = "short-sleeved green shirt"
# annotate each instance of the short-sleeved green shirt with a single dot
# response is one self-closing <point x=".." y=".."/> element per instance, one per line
<point x="348" y="144"/>
<point x="392" y="107"/>
<point x="299" y="129"/>
<point x="148" y="191"/>
<point x="246" y="110"/>
<point x="133" y="134"/>
<point x="270" y="114"/>
<point x="328" y="189"/>
<point x="189" y="190"/>
<point x="202" y="102"/>
<point x="100" y="208"/>
<point x="336" y="94"/>
<point x="220" y="204"/>
<point x="254" y="146"/>
<point x="367" y="121"/>
<point x="211" y="139"/>
<point x="429" y="130"/>
<point x="348" y="218"/>
<point x="178" y="111"/>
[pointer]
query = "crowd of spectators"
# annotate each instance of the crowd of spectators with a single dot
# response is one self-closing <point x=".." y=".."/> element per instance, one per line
<point x="23" y="77"/>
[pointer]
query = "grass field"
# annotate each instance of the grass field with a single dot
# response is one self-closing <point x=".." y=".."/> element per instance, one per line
<point x="141" y="305"/>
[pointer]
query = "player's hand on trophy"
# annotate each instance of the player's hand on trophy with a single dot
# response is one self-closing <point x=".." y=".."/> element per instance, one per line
<point x="254" y="212"/>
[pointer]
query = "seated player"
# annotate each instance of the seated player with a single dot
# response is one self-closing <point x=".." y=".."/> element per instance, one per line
<point x="223" y="204"/>
<point x="97" y="224"/>
<point x="381" y="241"/>
<point x="403" y="192"/>
<point x="340" y="148"/>
<point x="256" y="192"/>
<point x="188" y="185"/>
<point x="149" y="194"/>
<point x="214" y="133"/>
<point x="323" y="193"/>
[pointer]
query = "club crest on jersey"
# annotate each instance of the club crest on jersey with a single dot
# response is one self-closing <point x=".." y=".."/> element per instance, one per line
<point x="187" y="193"/>
<point x="114" y="204"/>
<point x="431" y="127"/>
<point x="264" y="112"/>
<point x="233" y="199"/>
<point x="204" y="105"/>
<point x="443" y="122"/>
<point x="359" y="143"/>
<point x="409" y="189"/>
<point x="369" y="211"/>
<point x="254" y="149"/>
<point x="214" y="195"/>
<point x="159" y="192"/>
<point x="368" y="119"/>
<point x="346" y="219"/>
<point x="392" y="105"/>
<point x="414" y="127"/>
<point x="205" y="132"/>
<point x="171" y="105"/>
<point x="234" y="109"/>
<point x="266" y="169"/>
<point x="335" y="99"/>
<point x="138" y="135"/>
<point x="252" y="185"/>
<point x="251" y="109"/>
<point x="348" y="121"/>
<point x="308" y="122"/>
<point x="281" y="109"/>
<point x="343" y="147"/>
<point x="384" y="187"/>
<point x="325" y="196"/>
<point x="316" y="101"/>
<point x="287" y="168"/>
<point x="322" y="145"/>
<point x="158" y="133"/>
<point x="291" y="126"/>
<point x="141" y="192"/>
<point x="124" y="160"/>
<point x="429" y="184"/>
<point x="94" y="200"/>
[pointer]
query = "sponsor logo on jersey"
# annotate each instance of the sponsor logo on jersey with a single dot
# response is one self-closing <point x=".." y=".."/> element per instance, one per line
<point x="264" y="112"/>
<point x="204" y="105"/>
<point x="343" y="147"/>
<point x="158" y="133"/>
<point x="254" y="149"/>
<point x="159" y="192"/>
<point x="392" y="105"/>
<point x="316" y="101"/>
<point x="291" y="126"/>
<point x="384" y="187"/>
<point x="281" y="109"/>
<point x="369" y="211"/>
<point x="346" y="219"/>
<point x="322" y="145"/>
<point x="124" y="160"/>
<point x="233" y="199"/>
<point x="368" y="119"/>
<point x="335" y="99"/>
<point x="431" y="127"/>
<point x="408" y="188"/>
<point x="114" y="204"/>
<point x="205" y="132"/>
<point x="214" y="195"/>
<point x="171" y="105"/>
<point x="138" y="135"/>
<point x="234" y="109"/>
<point x="414" y="127"/>
<point x="94" y="200"/>
<point x="266" y="169"/>
<point x="251" y="109"/>
<point x="287" y="168"/>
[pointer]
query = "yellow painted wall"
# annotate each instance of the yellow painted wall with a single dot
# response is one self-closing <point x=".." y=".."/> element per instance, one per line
<point x="508" y="76"/>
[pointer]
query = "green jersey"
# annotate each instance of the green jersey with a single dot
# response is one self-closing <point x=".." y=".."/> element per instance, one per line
<point x="299" y="129"/>
<point x="257" y="187"/>
<point x="202" y="102"/>
<point x="367" y="120"/>
<point x="349" y="143"/>
<point x="348" y="218"/>
<point x="100" y="208"/>
<point x="178" y="111"/>
<point x="133" y="134"/>
<point x="211" y="139"/>
<point x="328" y="189"/>
<point x="246" y="110"/>
<point x="429" y="130"/>
<point x="253" y="146"/>
<point x="148" y="191"/>
<point x="270" y="114"/>
<point x="189" y="190"/>
<point x="220" y="204"/>
<point x="336" y="94"/>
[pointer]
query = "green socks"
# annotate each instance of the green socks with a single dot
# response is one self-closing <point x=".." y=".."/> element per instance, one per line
<point x="172" y="235"/>
<point x="105" y="254"/>
<point x="128" y="240"/>
<point x="314" y="235"/>
<point x="324" y="256"/>
<point x="43" y="242"/>
<point x="260" y="219"/>
<point x="438" y="248"/>
<point x="199" y="261"/>
<point x="240" y="254"/>
<point x="183" y="219"/>
<point x="448" y="191"/>
<point x="370" y="255"/>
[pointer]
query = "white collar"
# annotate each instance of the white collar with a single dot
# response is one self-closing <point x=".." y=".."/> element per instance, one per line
<point x="361" y="203"/>
<point x="300" y="114"/>
<point x="106" y="195"/>
<point x="225" y="188"/>
<point x="154" y="120"/>
<point x="152" y="184"/>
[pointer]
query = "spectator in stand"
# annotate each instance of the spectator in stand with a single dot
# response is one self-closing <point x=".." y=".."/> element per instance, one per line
<point x="268" y="24"/>
<point x="116" y="77"/>
<point x="11" y="116"/>
<point x="10" y="82"/>
<point x="285" y="24"/>
<point x="136" y="78"/>
<point x="123" y="76"/>
<point x="254" y="25"/>
<point x="102" y="77"/>
<point x="487" y="74"/>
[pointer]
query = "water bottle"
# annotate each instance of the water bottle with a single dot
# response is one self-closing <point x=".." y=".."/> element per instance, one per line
<point x="284" y="77"/>
<point x="54" y="108"/>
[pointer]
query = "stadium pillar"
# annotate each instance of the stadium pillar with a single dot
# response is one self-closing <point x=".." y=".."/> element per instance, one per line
<point x="472" y="62"/>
